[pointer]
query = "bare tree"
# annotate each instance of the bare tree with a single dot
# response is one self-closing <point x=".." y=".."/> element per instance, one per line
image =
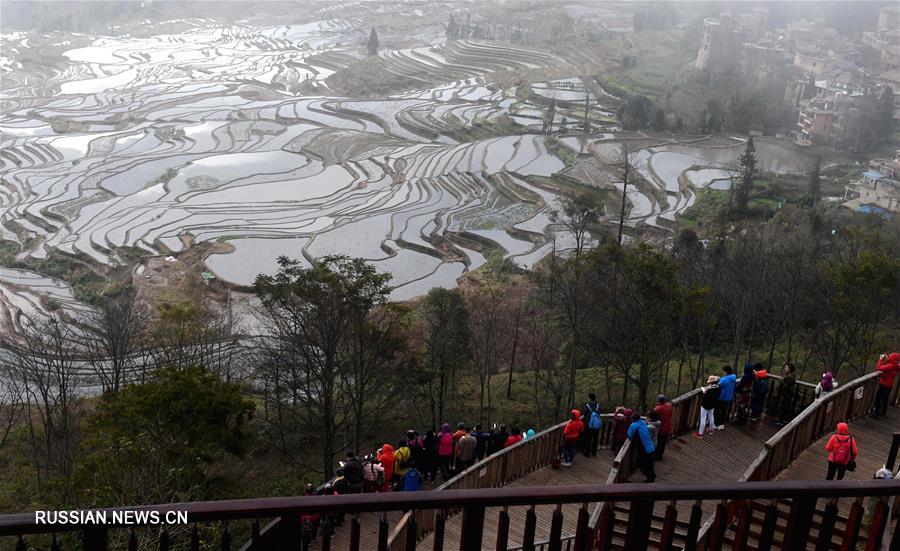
<point x="47" y="359"/>
<point x="487" y="305"/>
<point x="12" y="401"/>
<point x="627" y="164"/>
<point x="111" y="337"/>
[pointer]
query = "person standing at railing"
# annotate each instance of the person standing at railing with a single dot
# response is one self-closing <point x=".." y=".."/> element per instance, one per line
<point x="621" y="422"/>
<point x="744" y="390"/>
<point x="887" y="367"/>
<point x="639" y="435"/>
<point x="445" y="450"/>
<point x="708" y="403"/>
<point x="482" y="439"/>
<point x="402" y="461"/>
<point x="465" y="452"/>
<point x="386" y="458"/>
<point x="591" y="436"/>
<point x="571" y="436"/>
<point x="374" y="475"/>
<point x="826" y="386"/>
<point x="430" y="456"/>
<point x="499" y="436"/>
<point x="788" y="393"/>
<point x="759" y="392"/>
<point x="727" y="382"/>
<point x="841" y="448"/>
<point x="514" y="437"/>
<point x="353" y="472"/>
<point x="664" y="409"/>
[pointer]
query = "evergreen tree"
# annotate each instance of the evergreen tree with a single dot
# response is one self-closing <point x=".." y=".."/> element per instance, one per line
<point x="748" y="171"/>
<point x="373" y="42"/>
<point x="814" y="187"/>
<point x="452" y="29"/>
<point x="659" y="120"/>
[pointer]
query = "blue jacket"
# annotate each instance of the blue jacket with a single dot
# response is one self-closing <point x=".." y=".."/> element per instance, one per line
<point x="412" y="480"/>
<point x="726" y="387"/>
<point x="640" y="427"/>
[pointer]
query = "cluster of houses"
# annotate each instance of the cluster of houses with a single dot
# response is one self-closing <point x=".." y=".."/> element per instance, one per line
<point x="830" y="75"/>
<point x="879" y="188"/>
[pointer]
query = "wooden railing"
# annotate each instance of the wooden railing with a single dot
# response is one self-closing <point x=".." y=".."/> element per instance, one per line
<point x="494" y="471"/>
<point x="685" y="418"/>
<point x="206" y="518"/>
<point x="847" y="402"/>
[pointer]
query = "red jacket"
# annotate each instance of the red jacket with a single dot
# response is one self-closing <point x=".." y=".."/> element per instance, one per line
<point x="512" y="439"/>
<point x="665" y="417"/>
<point x="841" y="444"/>
<point x="888" y="369"/>
<point x="574" y="427"/>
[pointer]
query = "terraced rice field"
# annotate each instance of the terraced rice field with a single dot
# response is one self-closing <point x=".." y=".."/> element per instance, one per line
<point x="141" y="142"/>
<point x="234" y="134"/>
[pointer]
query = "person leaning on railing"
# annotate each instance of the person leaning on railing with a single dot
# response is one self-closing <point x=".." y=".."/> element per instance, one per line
<point x="888" y="366"/>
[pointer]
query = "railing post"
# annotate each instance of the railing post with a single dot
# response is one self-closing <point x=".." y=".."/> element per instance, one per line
<point x="289" y="531"/>
<point x="472" y="528"/>
<point x="554" y="542"/>
<point x="826" y="530"/>
<point x="530" y="526"/>
<point x="605" y="526"/>
<point x="195" y="538"/>
<point x="354" y="533"/>
<point x="693" y="531"/>
<point x="439" y="531"/>
<point x="21" y="545"/>
<point x="892" y="454"/>
<point x="767" y="533"/>
<point x="851" y="532"/>
<point x="640" y="513"/>
<point x="327" y="530"/>
<point x="164" y="540"/>
<point x="668" y="529"/>
<point x="742" y="532"/>
<point x="503" y="530"/>
<point x="799" y="522"/>
<point x="720" y="523"/>
<point x="383" y="533"/>
<point x="54" y="543"/>
<point x="94" y="538"/>
<point x="582" y="533"/>
<point x="876" y="529"/>
<point x="412" y="532"/>
<point x="226" y="538"/>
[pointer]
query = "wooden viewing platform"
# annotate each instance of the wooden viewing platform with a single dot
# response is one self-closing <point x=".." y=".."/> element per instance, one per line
<point x="707" y="495"/>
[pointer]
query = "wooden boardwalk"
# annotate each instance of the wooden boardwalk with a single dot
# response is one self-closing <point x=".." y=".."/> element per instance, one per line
<point x="873" y="437"/>
<point x="723" y="456"/>
<point x="584" y="470"/>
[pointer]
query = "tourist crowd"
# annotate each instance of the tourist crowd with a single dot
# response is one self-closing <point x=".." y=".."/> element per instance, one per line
<point x="417" y="459"/>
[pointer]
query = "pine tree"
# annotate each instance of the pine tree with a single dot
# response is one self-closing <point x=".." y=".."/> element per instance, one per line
<point x="748" y="169"/>
<point x="814" y="188"/>
<point x="373" y="42"/>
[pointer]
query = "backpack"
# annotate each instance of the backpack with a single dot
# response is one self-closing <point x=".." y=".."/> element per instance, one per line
<point x="404" y="458"/>
<point x="594" y="421"/>
<point x="379" y="475"/>
<point x="841" y="452"/>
